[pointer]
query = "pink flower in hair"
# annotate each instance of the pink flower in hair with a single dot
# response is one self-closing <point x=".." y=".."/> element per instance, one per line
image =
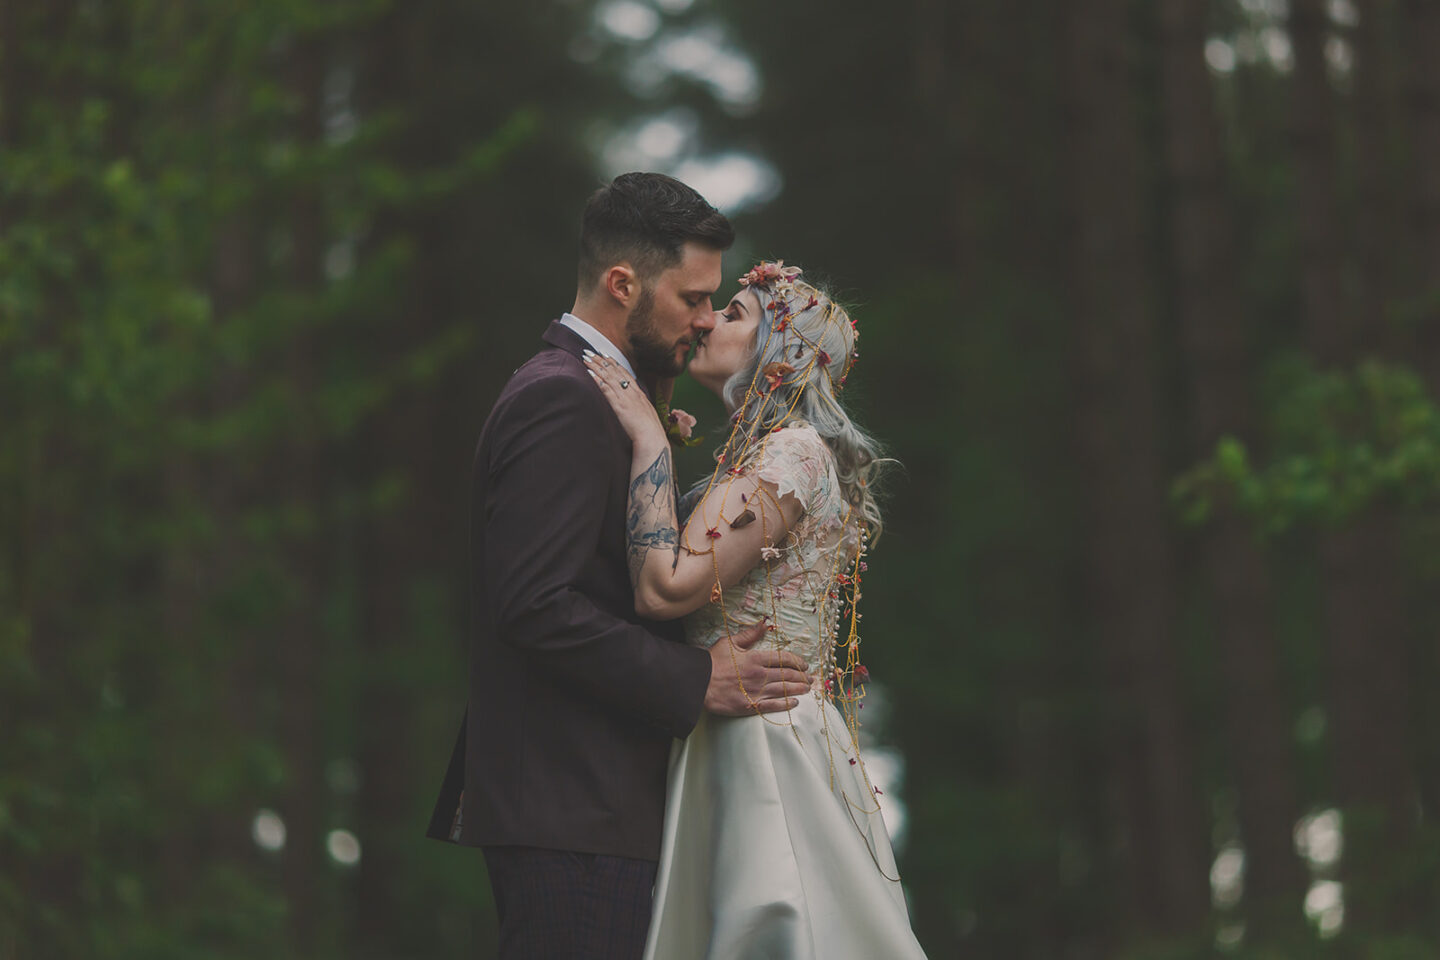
<point x="769" y="272"/>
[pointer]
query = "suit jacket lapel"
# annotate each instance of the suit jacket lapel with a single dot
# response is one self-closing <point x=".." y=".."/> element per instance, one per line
<point x="561" y="336"/>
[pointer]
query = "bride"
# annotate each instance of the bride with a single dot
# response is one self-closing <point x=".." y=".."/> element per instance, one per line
<point x="774" y="845"/>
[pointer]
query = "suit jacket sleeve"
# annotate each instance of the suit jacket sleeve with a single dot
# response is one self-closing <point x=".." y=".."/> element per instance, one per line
<point x="546" y="500"/>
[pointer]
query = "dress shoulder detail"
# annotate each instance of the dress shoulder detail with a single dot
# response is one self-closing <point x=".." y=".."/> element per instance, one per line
<point x="798" y="462"/>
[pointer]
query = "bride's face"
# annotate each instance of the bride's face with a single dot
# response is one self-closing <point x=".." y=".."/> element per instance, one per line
<point x="724" y="350"/>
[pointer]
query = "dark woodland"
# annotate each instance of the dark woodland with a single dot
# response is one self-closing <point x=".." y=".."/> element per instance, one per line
<point x="1149" y="301"/>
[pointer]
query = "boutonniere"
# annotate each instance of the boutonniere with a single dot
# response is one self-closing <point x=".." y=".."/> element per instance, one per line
<point x="679" y="425"/>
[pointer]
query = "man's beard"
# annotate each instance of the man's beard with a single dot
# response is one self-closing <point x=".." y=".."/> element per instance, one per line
<point x="653" y="357"/>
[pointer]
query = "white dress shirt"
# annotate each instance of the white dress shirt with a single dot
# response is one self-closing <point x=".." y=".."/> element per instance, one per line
<point x="598" y="342"/>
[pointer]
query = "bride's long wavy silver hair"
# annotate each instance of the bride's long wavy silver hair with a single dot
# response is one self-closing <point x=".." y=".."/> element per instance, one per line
<point x="803" y="329"/>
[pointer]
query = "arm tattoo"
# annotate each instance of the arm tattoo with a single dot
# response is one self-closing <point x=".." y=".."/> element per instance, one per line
<point x="650" y="519"/>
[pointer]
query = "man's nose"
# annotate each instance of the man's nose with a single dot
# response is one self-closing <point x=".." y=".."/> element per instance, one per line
<point x="706" y="320"/>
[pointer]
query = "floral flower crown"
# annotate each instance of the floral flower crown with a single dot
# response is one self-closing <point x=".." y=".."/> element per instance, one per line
<point x="768" y="272"/>
<point x="782" y="282"/>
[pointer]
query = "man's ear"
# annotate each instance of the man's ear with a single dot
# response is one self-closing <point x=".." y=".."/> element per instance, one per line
<point x="622" y="284"/>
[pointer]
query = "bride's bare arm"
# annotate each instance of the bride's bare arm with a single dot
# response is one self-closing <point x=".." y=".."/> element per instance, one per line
<point x="738" y="524"/>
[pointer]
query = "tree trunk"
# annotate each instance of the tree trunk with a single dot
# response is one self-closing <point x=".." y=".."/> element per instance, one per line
<point x="229" y="487"/>
<point x="49" y="559"/>
<point x="13" y="94"/>
<point x="398" y="549"/>
<point x="1213" y="329"/>
<point x="1312" y="135"/>
<point x="947" y="61"/>
<point x="1379" y="223"/>
<point x="299" y="482"/>
<point x="1421" y="28"/>
<point x="1364" y="614"/>
<point x="1128" y="553"/>
<point x="1422" y="100"/>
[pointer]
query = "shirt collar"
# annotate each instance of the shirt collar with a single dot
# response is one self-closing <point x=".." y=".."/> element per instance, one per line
<point x="598" y="341"/>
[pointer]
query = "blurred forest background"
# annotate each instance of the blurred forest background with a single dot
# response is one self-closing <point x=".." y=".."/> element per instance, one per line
<point x="1150" y="302"/>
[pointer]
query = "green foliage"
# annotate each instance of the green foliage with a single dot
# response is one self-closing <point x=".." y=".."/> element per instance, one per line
<point x="1341" y="441"/>
<point x="246" y="345"/>
<point x="160" y="367"/>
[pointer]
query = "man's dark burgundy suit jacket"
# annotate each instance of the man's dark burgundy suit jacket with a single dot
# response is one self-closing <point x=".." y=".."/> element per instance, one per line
<point x="573" y="700"/>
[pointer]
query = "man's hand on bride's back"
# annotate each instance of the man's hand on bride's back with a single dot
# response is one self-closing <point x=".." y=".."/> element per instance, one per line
<point x="745" y="681"/>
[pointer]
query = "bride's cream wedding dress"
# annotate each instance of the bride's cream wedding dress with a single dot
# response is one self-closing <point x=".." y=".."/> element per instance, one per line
<point x="774" y="846"/>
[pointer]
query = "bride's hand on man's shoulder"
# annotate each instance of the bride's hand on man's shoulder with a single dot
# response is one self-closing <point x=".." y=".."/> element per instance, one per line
<point x="627" y="398"/>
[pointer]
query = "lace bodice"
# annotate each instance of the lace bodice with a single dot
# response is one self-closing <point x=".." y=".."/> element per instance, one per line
<point x="796" y="590"/>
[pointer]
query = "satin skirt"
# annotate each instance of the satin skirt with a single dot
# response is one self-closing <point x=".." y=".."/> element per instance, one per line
<point x="774" y="847"/>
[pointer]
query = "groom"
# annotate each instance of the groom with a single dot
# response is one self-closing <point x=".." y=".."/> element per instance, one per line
<point x="559" y="770"/>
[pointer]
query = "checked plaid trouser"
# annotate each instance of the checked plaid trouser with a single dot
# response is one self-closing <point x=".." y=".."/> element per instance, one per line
<point x="560" y="905"/>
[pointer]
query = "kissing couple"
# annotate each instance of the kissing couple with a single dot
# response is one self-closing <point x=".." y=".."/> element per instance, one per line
<point x="660" y="752"/>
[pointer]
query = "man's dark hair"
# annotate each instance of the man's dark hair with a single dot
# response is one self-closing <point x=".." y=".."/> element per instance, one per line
<point x="644" y="219"/>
